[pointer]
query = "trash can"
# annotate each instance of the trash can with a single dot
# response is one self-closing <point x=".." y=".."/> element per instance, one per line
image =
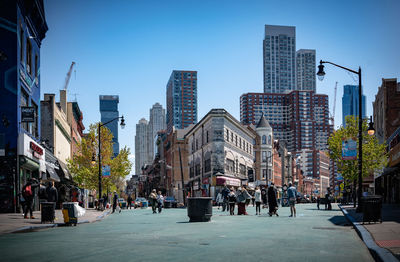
<point x="48" y="212"/>
<point x="199" y="209"/>
<point x="372" y="209"/>
<point x="69" y="213"/>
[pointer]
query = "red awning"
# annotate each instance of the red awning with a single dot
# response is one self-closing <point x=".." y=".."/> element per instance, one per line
<point x="221" y="180"/>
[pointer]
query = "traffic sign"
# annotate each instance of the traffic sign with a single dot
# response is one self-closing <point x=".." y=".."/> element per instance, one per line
<point x="341" y="186"/>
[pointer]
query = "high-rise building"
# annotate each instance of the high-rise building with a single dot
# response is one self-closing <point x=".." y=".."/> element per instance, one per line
<point x="350" y="102"/>
<point x="22" y="29"/>
<point x="157" y="123"/>
<point x="279" y="48"/>
<point x="109" y="111"/>
<point x="305" y="70"/>
<point x="181" y="99"/>
<point x="142" y="145"/>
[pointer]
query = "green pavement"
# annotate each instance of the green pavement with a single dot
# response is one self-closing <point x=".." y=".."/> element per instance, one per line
<point x="138" y="235"/>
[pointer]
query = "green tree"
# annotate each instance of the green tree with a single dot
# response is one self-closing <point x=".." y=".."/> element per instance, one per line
<point x="86" y="173"/>
<point x="374" y="154"/>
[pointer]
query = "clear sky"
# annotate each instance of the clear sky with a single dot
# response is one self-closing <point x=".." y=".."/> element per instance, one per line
<point x="129" y="48"/>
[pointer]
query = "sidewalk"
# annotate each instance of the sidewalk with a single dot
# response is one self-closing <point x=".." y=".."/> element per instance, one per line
<point x="385" y="235"/>
<point x="15" y="222"/>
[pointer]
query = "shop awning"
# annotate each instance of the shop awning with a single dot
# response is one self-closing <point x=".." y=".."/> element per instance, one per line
<point x="221" y="180"/>
<point x="28" y="163"/>
<point x="64" y="169"/>
<point x="51" y="174"/>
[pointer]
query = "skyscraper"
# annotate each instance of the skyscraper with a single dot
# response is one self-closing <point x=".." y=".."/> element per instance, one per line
<point x="305" y="70"/>
<point x="109" y="111"/>
<point x="157" y="123"/>
<point x="279" y="48"/>
<point x="142" y="146"/>
<point x="350" y="102"/>
<point x="181" y="99"/>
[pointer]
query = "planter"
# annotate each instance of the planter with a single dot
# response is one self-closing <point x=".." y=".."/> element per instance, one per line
<point x="199" y="209"/>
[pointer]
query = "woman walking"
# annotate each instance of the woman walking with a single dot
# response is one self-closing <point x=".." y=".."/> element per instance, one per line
<point x="257" y="198"/>
<point x="272" y="202"/>
<point x="242" y="197"/>
<point x="219" y="200"/>
<point x="232" y="201"/>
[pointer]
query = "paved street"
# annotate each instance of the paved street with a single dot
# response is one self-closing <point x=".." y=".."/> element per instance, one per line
<point x="138" y="235"/>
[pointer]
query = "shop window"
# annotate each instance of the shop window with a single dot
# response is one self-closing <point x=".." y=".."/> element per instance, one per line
<point x="29" y="56"/>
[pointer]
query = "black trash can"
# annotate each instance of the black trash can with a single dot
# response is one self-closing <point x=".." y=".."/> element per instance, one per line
<point x="372" y="209"/>
<point x="69" y="213"/>
<point x="199" y="209"/>
<point x="48" y="212"/>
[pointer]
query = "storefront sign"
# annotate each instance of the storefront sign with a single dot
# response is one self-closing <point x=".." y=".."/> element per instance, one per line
<point x="37" y="151"/>
<point x="196" y="185"/>
<point x="27" y="114"/>
<point x="349" y="149"/>
<point x="205" y="180"/>
<point x="29" y="148"/>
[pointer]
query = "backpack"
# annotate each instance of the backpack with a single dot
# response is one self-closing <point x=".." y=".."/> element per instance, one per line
<point x="27" y="192"/>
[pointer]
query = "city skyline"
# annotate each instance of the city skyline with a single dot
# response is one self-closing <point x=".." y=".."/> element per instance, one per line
<point x="140" y="55"/>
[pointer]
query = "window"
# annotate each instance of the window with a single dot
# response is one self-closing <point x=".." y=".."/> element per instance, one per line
<point x="230" y="166"/>
<point x="242" y="169"/>
<point x="191" y="171"/>
<point x="197" y="170"/>
<point x="264" y="156"/>
<point x="240" y="142"/>
<point x="264" y="173"/>
<point x="36" y="66"/>
<point x="35" y="129"/>
<point x="269" y="157"/>
<point x="264" y="139"/>
<point x="269" y="140"/>
<point x="207" y="165"/>
<point x="227" y="135"/>
<point x="236" y="140"/>
<point x="207" y="137"/>
<point x="21" y="42"/>
<point x="29" y="56"/>
<point x="231" y="137"/>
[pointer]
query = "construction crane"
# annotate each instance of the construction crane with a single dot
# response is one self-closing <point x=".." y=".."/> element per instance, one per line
<point x="332" y="118"/>
<point x="68" y="77"/>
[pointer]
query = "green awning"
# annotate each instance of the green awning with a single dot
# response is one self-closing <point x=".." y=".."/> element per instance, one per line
<point x="28" y="163"/>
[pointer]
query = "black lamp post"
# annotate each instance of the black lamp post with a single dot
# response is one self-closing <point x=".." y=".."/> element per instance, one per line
<point x="321" y="75"/>
<point x="122" y="124"/>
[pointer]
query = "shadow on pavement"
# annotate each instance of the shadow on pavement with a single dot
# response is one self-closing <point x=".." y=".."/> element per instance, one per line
<point x="339" y="221"/>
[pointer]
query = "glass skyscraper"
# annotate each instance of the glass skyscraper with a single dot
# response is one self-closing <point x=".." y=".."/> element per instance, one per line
<point x="109" y="111"/>
<point x="279" y="47"/>
<point x="350" y="102"/>
<point x="181" y="99"/>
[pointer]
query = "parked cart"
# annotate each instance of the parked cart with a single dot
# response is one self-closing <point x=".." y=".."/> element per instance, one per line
<point x="69" y="214"/>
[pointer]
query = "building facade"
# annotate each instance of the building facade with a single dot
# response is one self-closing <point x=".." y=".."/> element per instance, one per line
<point x="350" y="102"/>
<point x="143" y="149"/>
<point x="156" y="124"/>
<point x="220" y="151"/>
<point x="387" y="109"/>
<point x="109" y="111"/>
<point x="22" y="30"/>
<point x="181" y="99"/>
<point x="75" y="118"/>
<point x="279" y="49"/>
<point x="305" y="70"/>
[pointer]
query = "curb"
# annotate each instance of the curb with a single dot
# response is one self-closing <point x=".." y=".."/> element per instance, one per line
<point x="102" y="216"/>
<point x="378" y="253"/>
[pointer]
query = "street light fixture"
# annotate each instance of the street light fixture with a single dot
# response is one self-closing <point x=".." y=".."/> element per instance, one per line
<point x="371" y="130"/>
<point x="122" y="124"/>
<point x="321" y="74"/>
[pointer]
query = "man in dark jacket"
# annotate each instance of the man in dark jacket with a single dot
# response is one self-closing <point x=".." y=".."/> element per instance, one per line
<point x="28" y="192"/>
<point x="225" y="193"/>
<point x="272" y="202"/>
<point x="115" y="201"/>
<point x="52" y="193"/>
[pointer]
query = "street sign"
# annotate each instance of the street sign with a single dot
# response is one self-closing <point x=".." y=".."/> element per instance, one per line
<point x="341" y="186"/>
<point x="106" y="171"/>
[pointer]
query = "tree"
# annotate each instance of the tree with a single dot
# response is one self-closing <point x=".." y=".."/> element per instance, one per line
<point x="85" y="173"/>
<point x="374" y="154"/>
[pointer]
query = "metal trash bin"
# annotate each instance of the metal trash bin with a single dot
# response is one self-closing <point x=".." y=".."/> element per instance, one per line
<point x="70" y="217"/>
<point x="372" y="209"/>
<point x="48" y="212"/>
<point x="199" y="209"/>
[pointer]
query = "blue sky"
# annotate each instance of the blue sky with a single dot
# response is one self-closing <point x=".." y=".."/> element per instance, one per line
<point x="129" y="48"/>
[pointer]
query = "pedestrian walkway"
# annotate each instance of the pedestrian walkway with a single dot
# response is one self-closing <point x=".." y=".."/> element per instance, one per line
<point x="385" y="234"/>
<point x="15" y="222"/>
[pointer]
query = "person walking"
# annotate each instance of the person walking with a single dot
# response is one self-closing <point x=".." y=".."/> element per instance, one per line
<point x="272" y="202"/>
<point x="115" y="201"/>
<point x="225" y="193"/>
<point x="219" y="200"/>
<point x="328" y="196"/>
<point x="153" y="200"/>
<point x="160" y="201"/>
<point x="242" y="198"/>
<point x="52" y="193"/>
<point x="129" y="202"/>
<point x="318" y="201"/>
<point x="264" y="196"/>
<point x="257" y="199"/>
<point x="105" y="201"/>
<point x="292" y="192"/>
<point x="253" y="197"/>
<point x="28" y="192"/>
<point x="232" y="201"/>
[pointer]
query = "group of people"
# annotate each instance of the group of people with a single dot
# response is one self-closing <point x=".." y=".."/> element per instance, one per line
<point x="47" y="193"/>
<point x="156" y="201"/>
<point x="228" y="198"/>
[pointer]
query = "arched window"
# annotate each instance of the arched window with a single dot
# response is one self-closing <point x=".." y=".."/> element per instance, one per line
<point x="264" y="139"/>
<point x="269" y="139"/>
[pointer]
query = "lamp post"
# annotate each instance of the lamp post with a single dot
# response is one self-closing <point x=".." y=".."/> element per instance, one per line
<point x="122" y="124"/>
<point x="321" y="75"/>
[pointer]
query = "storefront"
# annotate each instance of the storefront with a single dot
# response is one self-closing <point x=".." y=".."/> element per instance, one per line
<point x="31" y="162"/>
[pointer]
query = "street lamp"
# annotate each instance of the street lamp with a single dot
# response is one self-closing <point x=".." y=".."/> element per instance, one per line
<point x="122" y="124"/>
<point x="371" y="130"/>
<point x="321" y="75"/>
